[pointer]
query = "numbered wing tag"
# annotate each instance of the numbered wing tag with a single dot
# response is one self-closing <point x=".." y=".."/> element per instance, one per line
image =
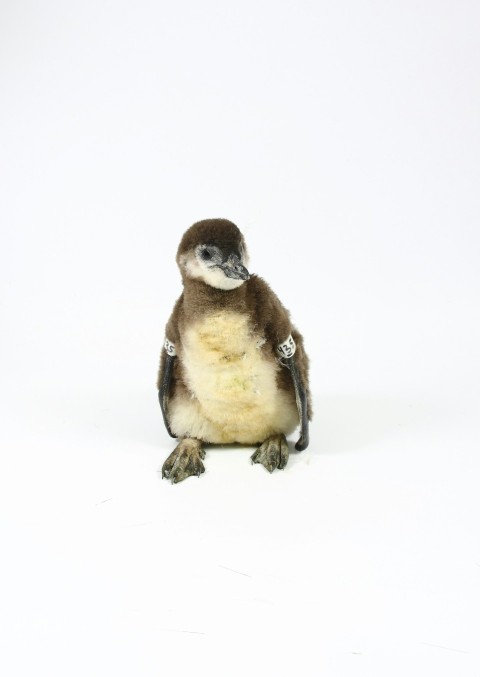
<point x="170" y="348"/>
<point x="287" y="348"/>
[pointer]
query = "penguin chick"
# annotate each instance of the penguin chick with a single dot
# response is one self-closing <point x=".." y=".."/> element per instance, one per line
<point x="233" y="368"/>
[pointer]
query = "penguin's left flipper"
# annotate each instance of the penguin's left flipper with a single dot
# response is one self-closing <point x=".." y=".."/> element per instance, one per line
<point x="288" y="354"/>
<point x="302" y="404"/>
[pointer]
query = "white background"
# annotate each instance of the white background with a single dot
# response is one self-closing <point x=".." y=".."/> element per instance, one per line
<point x="343" y="138"/>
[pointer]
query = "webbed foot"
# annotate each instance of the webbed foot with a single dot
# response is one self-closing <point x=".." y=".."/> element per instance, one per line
<point x="273" y="453"/>
<point x="184" y="461"/>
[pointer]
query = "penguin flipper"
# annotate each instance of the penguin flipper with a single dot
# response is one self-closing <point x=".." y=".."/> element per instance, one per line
<point x="164" y="380"/>
<point x="302" y="403"/>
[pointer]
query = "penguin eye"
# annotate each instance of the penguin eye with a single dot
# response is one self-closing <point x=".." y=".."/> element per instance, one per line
<point x="206" y="254"/>
<point x="209" y="254"/>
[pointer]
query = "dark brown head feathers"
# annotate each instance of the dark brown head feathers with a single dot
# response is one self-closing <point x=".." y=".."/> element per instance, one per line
<point x="220" y="232"/>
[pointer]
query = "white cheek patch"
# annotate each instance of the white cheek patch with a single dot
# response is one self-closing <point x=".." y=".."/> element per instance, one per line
<point x="211" y="275"/>
<point x="217" y="278"/>
<point x="287" y="348"/>
<point x="191" y="266"/>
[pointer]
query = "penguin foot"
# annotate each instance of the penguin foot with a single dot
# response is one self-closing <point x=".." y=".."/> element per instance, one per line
<point x="184" y="461"/>
<point x="273" y="453"/>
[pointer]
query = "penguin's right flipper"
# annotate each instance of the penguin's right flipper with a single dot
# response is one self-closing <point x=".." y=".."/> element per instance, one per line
<point x="164" y="380"/>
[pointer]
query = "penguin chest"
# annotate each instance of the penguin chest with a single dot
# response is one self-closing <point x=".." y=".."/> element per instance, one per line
<point x="224" y="363"/>
<point x="232" y="381"/>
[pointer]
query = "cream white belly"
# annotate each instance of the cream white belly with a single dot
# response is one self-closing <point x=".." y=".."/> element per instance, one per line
<point x="233" y="395"/>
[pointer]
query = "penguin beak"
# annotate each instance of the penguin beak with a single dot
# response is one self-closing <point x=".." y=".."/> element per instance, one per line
<point x="234" y="269"/>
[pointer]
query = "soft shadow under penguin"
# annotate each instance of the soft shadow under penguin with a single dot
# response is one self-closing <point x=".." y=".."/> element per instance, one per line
<point x="233" y="368"/>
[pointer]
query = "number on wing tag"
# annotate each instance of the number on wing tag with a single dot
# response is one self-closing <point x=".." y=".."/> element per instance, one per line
<point x="287" y="348"/>
<point x="170" y="348"/>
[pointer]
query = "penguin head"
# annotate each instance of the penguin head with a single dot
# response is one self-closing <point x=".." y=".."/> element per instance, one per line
<point x="214" y="251"/>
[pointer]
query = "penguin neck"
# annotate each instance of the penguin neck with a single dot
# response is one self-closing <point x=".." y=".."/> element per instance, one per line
<point x="199" y="298"/>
